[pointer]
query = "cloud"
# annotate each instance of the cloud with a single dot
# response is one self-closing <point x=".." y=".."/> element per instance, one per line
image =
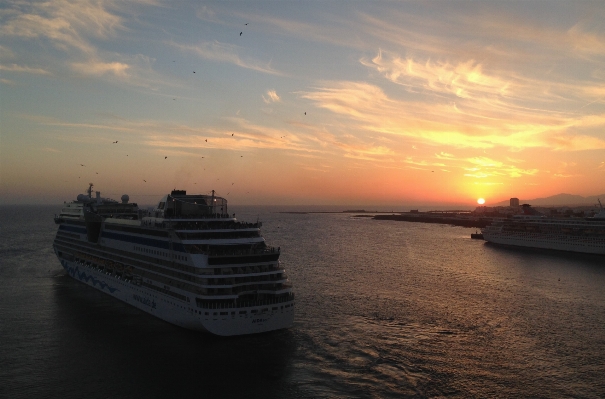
<point x="64" y="23"/>
<point x="444" y="155"/>
<point x="99" y="68"/>
<point x="471" y="124"/>
<point x="24" y="69"/>
<point x="485" y="162"/>
<point x="464" y="79"/>
<point x="222" y="52"/>
<point x="272" y="97"/>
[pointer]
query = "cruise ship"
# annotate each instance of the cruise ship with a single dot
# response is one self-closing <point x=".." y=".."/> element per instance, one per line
<point x="583" y="235"/>
<point x="187" y="261"/>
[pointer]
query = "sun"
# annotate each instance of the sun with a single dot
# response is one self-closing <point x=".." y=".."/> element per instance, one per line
<point x="481" y="201"/>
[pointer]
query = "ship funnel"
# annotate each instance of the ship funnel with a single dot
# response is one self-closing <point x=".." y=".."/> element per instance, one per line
<point x="125" y="199"/>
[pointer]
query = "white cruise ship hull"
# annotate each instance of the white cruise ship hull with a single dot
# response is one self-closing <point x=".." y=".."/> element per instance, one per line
<point x="588" y="245"/>
<point x="223" y="321"/>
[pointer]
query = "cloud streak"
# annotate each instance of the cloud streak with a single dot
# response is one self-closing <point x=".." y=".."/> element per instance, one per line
<point x="226" y="53"/>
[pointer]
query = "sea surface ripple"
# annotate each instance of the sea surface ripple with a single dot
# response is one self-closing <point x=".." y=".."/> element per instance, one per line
<point x="384" y="310"/>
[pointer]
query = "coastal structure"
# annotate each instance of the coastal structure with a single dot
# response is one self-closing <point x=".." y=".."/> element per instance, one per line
<point x="534" y="230"/>
<point x="187" y="261"/>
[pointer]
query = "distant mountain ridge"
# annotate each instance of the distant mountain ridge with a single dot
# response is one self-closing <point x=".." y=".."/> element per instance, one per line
<point x="559" y="200"/>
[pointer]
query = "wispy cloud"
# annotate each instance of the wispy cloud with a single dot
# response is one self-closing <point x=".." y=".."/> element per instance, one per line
<point x="368" y="108"/>
<point x="100" y="68"/>
<point x="223" y="52"/>
<point x="24" y="69"/>
<point x="272" y="97"/>
<point x="63" y="23"/>
<point x="464" y="79"/>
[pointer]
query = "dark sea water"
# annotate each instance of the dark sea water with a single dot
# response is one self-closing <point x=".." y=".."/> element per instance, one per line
<point x="384" y="310"/>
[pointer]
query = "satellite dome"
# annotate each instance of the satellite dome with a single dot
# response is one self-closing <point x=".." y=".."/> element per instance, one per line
<point x="125" y="199"/>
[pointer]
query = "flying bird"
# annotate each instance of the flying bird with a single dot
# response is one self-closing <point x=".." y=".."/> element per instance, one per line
<point x="193" y="71"/>
<point x="97" y="172"/>
<point x="231" y="134"/>
<point x="305" y="113"/>
<point x="245" y="24"/>
<point x="206" y="140"/>
<point x="165" y="157"/>
<point x="145" y="180"/>
<point x="114" y="142"/>
<point x="241" y="33"/>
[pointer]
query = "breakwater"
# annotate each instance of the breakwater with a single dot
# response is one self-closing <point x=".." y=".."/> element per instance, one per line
<point x="442" y="219"/>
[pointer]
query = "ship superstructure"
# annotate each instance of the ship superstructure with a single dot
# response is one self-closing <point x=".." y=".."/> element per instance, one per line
<point x="187" y="261"/>
<point x="584" y="235"/>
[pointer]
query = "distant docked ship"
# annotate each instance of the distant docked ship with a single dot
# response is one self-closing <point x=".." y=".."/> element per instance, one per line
<point x="187" y="261"/>
<point x="537" y="231"/>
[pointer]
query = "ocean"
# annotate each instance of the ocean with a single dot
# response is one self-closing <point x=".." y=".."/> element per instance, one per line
<point x="384" y="309"/>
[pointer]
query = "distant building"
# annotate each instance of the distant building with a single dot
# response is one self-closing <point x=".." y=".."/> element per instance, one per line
<point x="514" y="202"/>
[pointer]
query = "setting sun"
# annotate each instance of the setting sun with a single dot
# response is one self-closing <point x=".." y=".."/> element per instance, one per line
<point x="481" y="201"/>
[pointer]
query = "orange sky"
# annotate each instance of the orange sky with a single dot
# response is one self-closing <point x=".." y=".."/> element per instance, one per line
<point x="314" y="103"/>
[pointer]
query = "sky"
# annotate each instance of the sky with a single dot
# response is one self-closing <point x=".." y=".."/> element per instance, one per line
<point x="302" y="102"/>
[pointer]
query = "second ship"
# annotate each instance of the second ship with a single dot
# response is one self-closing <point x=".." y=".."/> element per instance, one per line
<point x="533" y="230"/>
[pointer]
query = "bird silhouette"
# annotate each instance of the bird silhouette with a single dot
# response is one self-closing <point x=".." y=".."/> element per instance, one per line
<point x="114" y="142"/>
<point x="165" y="157"/>
<point x="97" y="172"/>
<point x="82" y="164"/>
<point x="206" y="140"/>
<point x="241" y="33"/>
<point x="193" y="71"/>
<point x="246" y="24"/>
<point x="231" y="134"/>
<point x="305" y="113"/>
<point x="145" y="180"/>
